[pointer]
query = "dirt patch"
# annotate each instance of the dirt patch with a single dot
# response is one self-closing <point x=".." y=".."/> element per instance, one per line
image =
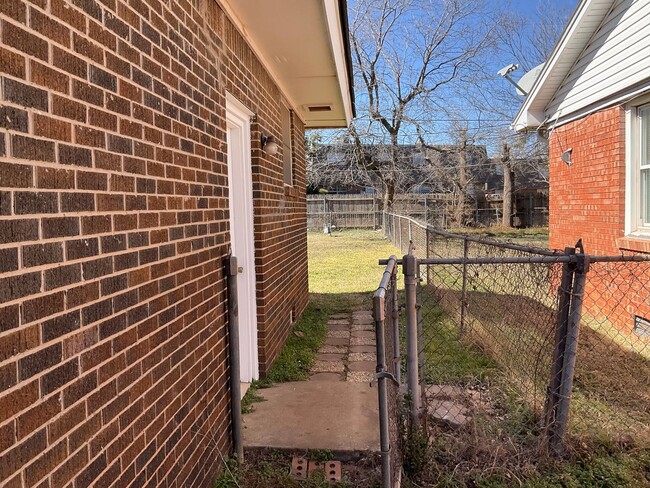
<point x="266" y="468"/>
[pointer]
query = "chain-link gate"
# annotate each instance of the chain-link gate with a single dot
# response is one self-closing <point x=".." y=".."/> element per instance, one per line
<point x="558" y="337"/>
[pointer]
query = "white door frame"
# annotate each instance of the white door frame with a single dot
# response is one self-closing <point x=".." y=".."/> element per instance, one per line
<point x="242" y="236"/>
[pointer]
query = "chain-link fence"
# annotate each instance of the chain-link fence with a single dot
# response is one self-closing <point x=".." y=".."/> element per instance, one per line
<point x="550" y="345"/>
<point x="386" y="314"/>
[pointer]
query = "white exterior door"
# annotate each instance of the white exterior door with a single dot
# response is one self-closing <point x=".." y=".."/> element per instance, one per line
<point x="240" y="198"/>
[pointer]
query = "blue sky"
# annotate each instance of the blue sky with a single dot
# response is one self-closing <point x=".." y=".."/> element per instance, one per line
<point x="531" y="6"/>
<point x="461" y="104"/>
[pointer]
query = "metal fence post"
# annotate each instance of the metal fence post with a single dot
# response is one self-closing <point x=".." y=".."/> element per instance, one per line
<point x="463" y="292"/>
<point x="570" y="352"/>
<point x="427" y="235"/>
<point x="409" y="266"/>
<point x="384" y="434"/>
<point x="233" y="341"/>
<point x="562" y="321"/>
<point x="397" y="359"/>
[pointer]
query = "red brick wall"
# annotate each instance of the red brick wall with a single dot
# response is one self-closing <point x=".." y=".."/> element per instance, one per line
<point x="587" y="199"/>
<point x="113" y="227"/>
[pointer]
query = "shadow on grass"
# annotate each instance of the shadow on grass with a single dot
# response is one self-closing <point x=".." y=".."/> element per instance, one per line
<point x="611" y="395"/>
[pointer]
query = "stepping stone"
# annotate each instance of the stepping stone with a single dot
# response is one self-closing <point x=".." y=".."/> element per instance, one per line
<point x="328" y="367"/>
<point x="339" y="316"/>
<point x="449" y="412"/>
<point x="339" y="333"/>
<point x="363" y="334"/>
<point x="326" y="377"/>
<point x="338" y="322"/>
<point x="362" y="341"/>
<point x="333" y="350"/>
<point x="368" y="366"/>
<point x="363" y="321"/>
<point x="360" y="377"/>
<point x="363" y="327"/>
<point x="330" y="357"/>
<point x="372" y="349"/>
<point x="362" y="356"/>
<point x="338" y="327"/>
<point x="337" y="341"/>
<point x="362" y="313"/>
<point x="435" y="392"/>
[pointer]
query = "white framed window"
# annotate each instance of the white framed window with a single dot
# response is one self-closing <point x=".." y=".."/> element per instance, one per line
<point x="287" y="146"/>
<point x="637" y="181"/>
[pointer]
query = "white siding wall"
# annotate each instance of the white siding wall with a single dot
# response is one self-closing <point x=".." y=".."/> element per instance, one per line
<point x="617" y="57"/>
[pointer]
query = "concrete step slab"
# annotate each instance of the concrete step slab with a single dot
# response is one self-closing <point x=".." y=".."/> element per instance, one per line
<point x="330" y="357"/>
<point x="363" y="333"/>
<point x="328" y="349"/>
<point x="339" y="316"/>
<point x="326" y="377"/>
<point x="369" y="366"/>
<point x="363" y="349"/>
<point x="337" y="341"/>
<point x="338" y="327"/>
<point x="338" y="333"/>
<point x="328" y="367"/>
<point x="370" y="327"/>
<point x="362" y="356"/>
<point x="338" y="322"/>
<point x="308" y="415"/>
<point x="361" y="313"/>
<point x="360" y="377"/>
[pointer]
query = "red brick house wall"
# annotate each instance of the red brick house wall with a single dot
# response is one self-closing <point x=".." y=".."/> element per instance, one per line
<point x="113" y="228"/>
<point x="587" y="200"/>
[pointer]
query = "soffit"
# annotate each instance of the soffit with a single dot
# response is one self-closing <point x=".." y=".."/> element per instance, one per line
<point x="301" y="43"/>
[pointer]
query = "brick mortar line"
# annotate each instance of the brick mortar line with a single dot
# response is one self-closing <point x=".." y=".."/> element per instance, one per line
<point x="51" y="240"/>
<point x="75" y="123"/>
<point x="116" y="419"/>
<point x="96" y="369"/>
<point x="94" y="169"/>
<point x="101" y="299"/>
<point x="165" y="412"/>
<point x="82" y="261"/>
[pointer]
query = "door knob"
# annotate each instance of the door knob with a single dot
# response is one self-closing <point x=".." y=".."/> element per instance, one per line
<point x="240" y="269"/>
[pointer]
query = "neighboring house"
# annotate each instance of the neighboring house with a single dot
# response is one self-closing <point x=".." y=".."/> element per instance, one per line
<point x="131" y="163"/>
<point x="436" y="172"/>
<point x="593" y="99"/>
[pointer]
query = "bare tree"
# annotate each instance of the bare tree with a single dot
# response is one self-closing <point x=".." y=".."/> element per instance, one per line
<point x="408" y="56"/>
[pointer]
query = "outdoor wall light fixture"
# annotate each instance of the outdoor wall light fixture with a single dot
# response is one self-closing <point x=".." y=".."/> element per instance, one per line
<point x="566" y="156"/>
<point x="269" y="146"/>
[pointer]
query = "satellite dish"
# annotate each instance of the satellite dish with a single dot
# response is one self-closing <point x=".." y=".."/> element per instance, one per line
<point x="527" y="81"/>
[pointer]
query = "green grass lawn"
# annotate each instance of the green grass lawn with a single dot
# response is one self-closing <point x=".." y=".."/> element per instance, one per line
<point x="500" y="446"/>
<point x="346" y="261"/>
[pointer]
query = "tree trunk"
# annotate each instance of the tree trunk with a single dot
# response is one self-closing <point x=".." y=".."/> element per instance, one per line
<point x="508" y="186"/>
<point x="460" y="204"/>
<point x="389" y="194"/>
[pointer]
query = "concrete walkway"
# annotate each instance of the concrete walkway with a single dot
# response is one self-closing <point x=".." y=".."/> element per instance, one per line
<point x="336" y="409"/>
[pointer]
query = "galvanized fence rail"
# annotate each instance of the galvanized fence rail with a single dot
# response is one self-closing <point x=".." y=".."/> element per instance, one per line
<point x="388" y="373"/>
<point x="563" y="330"/>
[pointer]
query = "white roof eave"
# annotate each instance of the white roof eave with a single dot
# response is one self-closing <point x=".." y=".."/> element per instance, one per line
<point x="531" y="114"/>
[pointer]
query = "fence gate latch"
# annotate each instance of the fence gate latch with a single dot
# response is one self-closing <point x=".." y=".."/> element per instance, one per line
<point x="384" y="374"/>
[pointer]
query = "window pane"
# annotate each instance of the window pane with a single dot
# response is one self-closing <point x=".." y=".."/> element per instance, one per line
<point x="644" y="118"/>
<point x="645" y="197"/>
